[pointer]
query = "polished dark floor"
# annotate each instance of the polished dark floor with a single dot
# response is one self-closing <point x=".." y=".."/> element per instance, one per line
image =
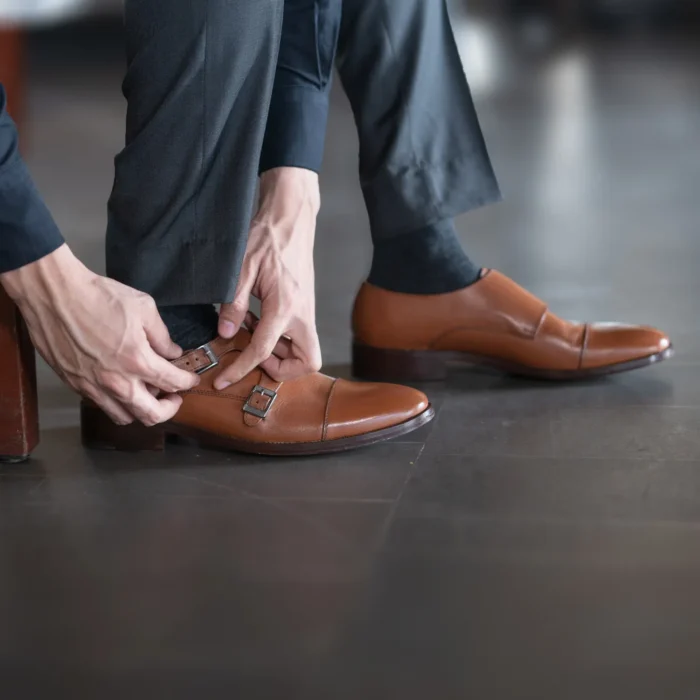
<point x="535" y="542"/>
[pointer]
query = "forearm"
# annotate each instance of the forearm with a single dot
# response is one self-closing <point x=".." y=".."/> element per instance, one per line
<point x="27" y="230"/>
<point x="42" y="281"/>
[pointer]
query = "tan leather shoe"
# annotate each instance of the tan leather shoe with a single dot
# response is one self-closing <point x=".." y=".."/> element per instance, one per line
<point x="312" y="415"/>
<point x="494" y="322"/>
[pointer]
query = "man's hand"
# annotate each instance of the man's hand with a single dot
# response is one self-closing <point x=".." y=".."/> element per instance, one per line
<point x="105" y="340"/>
<point x="278" y="269"/>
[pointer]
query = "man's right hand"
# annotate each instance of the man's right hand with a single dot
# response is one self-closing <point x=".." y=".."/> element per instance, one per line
<point x="278" y="269"/>
<point x="105" y="340"/>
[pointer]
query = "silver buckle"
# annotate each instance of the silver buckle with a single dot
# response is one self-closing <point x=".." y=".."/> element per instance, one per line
<point x="260" y="412"/>
<point x="213" y="359"/>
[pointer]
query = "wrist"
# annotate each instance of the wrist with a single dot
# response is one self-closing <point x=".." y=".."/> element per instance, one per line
<point x="284" y="189"/>
<point x="45" y="278"/>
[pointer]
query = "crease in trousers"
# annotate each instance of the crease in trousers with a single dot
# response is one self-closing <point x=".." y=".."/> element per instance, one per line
<point x="198" y="85"/>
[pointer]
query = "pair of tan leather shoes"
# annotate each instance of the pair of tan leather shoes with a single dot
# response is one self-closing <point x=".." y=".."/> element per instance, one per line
<point x="398" y="337"/>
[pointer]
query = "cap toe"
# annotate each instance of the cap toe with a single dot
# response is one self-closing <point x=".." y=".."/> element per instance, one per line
<point x="358" y="408"/>
<point x="612" y="343"/>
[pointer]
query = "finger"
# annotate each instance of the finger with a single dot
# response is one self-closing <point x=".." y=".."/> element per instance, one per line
<point x="285" y="370"/>
<point x="151" y="411"/>
<point x="262" y="344"/>
<point x="284" y="347"/>
<point x="232" y="315"/>
<point x="159" y="336"/>
<point x="251" y="321"/>
<point x="295" y="359"/>
<point x="115" y="411"/>
<point x="307" y="340"/>
<point x="163" y="375"/>
<point x="110" y="406"/>
<point x="170" y="404"/>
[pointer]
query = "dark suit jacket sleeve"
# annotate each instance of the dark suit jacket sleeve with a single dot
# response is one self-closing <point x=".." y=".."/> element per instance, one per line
<point x="296" y="127"/>
<point x="27" y="230"/>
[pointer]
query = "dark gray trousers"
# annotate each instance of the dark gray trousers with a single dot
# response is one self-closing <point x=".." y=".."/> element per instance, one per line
<point x="198" y="86"/>
<point x="422" y="153"/>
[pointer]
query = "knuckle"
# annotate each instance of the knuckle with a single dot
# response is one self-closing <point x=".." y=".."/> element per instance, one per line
<point x="171" y="388"/>
<point x="239" y="306"/>
<point x="114" y="384"/>
<point x="101" y="377"/>
<point x="148" y="302"/>
<point x="170" y="413"/>
<point x="157" y="379"/>
<point x="192" y="382"/>
<point x="140" y="364"/>
<point x="83" y="387"/>
<point x="149" y="418"/>
<point x="286" y="307"/>
<point x="179" y="384"/>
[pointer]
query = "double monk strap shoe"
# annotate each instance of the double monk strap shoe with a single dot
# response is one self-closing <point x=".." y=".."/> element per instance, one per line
<point x="493" y="323"/>
<point x="311" y="415"/>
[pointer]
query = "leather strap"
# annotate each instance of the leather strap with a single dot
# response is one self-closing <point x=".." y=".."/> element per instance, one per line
<point x="207" y="356"/>
<point x="500" y="299"/>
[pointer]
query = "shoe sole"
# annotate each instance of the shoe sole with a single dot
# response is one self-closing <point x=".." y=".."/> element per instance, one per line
<point x="400" y="366"/>
<point x="99" y="433"/>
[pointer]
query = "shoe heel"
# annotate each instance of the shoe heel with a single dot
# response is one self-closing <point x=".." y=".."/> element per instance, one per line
<point x="397" y="366"/>
<point x="100" y="433"/>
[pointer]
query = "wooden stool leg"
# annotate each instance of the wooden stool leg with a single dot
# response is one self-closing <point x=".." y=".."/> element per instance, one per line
<point x="12" y="70"/>
<point x="19" y="414"/>
<point x="19" y="410"/>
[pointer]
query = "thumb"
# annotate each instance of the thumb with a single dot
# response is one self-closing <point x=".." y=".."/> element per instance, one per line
<point x="232" y="314"/>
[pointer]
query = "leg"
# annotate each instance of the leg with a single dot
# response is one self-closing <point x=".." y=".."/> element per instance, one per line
<point x="422" y="161"/>
<point x="422" y="155"/>
<point x="199" y="85"/>
<point x="19" y="416"/>
<point x="198" y="88"/>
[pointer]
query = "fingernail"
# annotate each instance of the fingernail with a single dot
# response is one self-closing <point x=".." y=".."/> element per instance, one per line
<point x="223" y="385"/>
<point x="227" y="329"/>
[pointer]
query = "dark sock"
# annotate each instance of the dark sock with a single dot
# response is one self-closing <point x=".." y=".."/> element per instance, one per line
<point x="429" y="260"/>
<point x="192" y="325"/>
